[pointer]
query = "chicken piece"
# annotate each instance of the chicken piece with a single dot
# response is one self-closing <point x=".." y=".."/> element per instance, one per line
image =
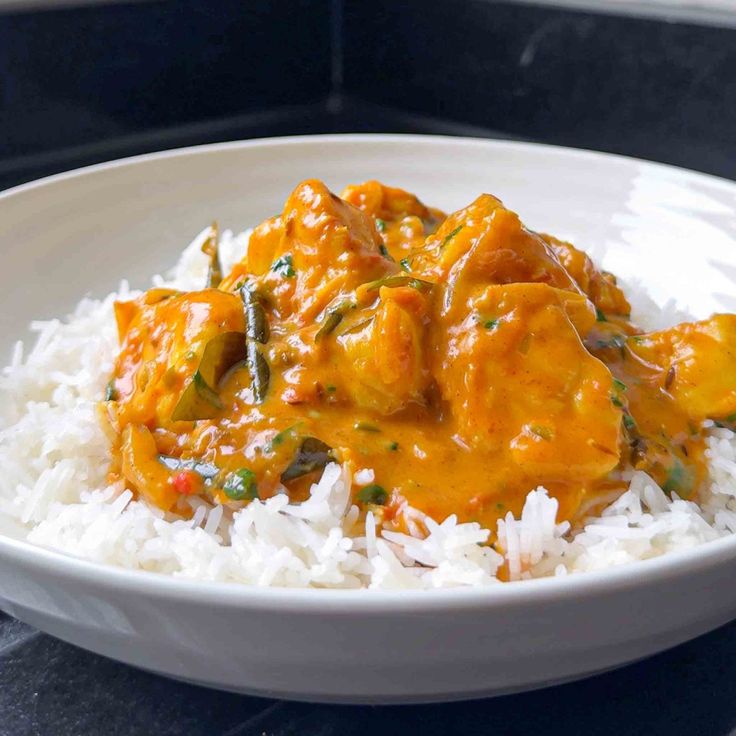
<point x="485" y="243"/>
<point x="401" y="219"/>
<point x="379" y="360"/>
<point x="600" y="286"/>
<point x="316" y="249"/>
<point x="163" y="340"/>
<point x="695" y="364"/>
<point x="520" y="382"/>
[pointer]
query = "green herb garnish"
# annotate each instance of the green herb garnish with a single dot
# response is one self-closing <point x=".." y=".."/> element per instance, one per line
<point x="394" y="281"/>
<point x="619" y="385"/>
<point x="111" y="393"/>
<point x="405" y="263"/>
<point x="333" y="317"/>
<point x="380" y="225"/>
<point x="599" y="316"/>
<point x="285" y="434"/>
<point x="373" y="494"/>
<point x="210" y="249"/>
<point x="313" y="454"/>
<point x="199" y="399"/>
<point x="616" y="401"/>
<point x="257" y="330"/>
<point x="366" y="427"/>
<point x="393" y="446"/>
<point x="241" y="485"/>
<point x="616" y="341"/>
<point x="449" y="237"/>
<point x="679" y="480"/>
<point x="539" y="430"/>
<point x="629" y="422"/>
<point x="384" y="252"/>
<point x="284" y="266"/>
<point x="490" y="324"/>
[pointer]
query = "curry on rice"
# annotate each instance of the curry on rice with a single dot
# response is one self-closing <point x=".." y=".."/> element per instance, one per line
<point x="463" y="359"/>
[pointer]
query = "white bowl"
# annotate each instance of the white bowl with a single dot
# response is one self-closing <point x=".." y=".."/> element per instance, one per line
<point x="83" y="231"/>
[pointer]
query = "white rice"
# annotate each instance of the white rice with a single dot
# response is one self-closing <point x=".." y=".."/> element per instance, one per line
<point x="53" y="492"/>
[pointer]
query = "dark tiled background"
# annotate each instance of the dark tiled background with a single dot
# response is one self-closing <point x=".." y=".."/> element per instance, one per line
<point x="86" y="84"/>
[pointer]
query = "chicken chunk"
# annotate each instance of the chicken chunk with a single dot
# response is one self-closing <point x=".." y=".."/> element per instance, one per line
<point x="401" y="219"/>
<point x="695" y="363"/>
<point x="520" y="382"/>
<point x="599" y="286"/>
<point x="316" y="249"/>
<point x="163" y="341"/>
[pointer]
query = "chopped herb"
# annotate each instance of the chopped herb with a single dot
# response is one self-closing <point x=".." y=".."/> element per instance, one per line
<point x="616" y="341"/>
<point x="449" y="237"/>
<point x="490" y="324"/>
<point x="731" y="418"/>
<point x="331" y="388"/>
<point x="257" y="330"/>
<point x="333" y="317"/>
<point x="256" y="322"/>
<point x="208" y="471"/>
<point x="500" y="506"/>
<point x="393" y="446"/>
<point x="616" y="401"/>
<point x="619" y="385"/>
<point x="241" y="485"/>
<point x="366" y="427"/>
<point x="284" y="266"/>
<point x="313" y="454"/>
<point x="380" y="225"/>
<point x="600" y="317"/>
<point x="373" y="494"/>
<point x="260" y="373"/>
<point x="384" y="252"/>
<point x="678" y="480"/>
<point x="210" y="248"/>
<point x="286" y="434"/>
<point x="405" y="263"/>
<point x="199" y="399"/>
<point x="111" y="393"/>
<point x="524" y="344"/>
<point x="539" y="430"/>
<point x="395" y="281"/>
<point x="629" y="422"/>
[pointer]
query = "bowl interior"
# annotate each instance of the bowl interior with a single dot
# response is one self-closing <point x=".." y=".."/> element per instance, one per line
<point x="82" y="232"/>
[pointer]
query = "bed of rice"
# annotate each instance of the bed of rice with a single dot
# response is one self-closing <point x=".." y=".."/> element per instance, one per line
<point x="53" y="491"/>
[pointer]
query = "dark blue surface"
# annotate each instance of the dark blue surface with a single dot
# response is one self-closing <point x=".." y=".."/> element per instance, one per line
<point x="51" y="688"/>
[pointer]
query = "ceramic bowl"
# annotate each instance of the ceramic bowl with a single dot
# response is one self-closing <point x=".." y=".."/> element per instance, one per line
<point x="82" y="231"/>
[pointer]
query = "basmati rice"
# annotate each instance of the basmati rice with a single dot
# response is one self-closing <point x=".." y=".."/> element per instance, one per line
<point x="55" y="456"/>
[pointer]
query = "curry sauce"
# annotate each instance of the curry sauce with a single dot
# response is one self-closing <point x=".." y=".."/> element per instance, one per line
<point x="464" y="359"/>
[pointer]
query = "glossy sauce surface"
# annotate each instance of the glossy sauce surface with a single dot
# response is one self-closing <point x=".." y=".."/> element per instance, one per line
<point x="464" y="359"/>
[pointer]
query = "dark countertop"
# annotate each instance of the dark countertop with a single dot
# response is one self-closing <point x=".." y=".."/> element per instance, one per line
<point x="49" y="688"/>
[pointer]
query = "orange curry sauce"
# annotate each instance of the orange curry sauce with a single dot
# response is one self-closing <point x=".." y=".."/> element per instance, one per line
<point x="465" y="359"/>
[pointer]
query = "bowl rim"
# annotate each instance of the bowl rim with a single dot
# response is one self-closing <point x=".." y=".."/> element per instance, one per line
<point x="674" y="564"/>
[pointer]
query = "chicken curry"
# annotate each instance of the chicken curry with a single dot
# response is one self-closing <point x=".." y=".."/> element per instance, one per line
<point x="464" y="359"/>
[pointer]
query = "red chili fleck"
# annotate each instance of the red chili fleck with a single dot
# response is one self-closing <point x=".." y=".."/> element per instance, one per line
<point x="186" y="482"/>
